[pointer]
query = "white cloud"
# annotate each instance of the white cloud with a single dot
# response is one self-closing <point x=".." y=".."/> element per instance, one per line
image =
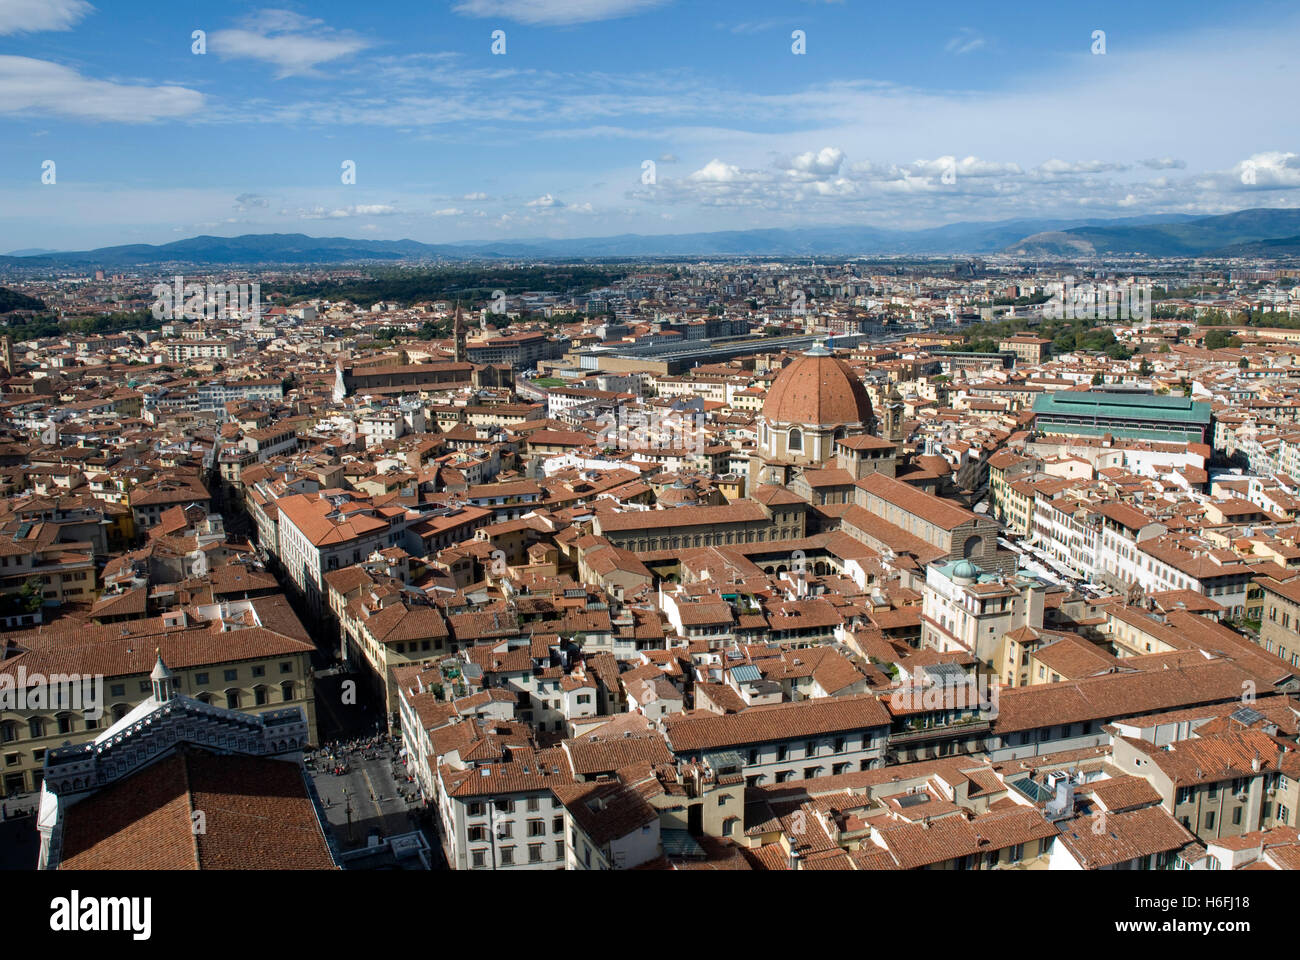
<point x="449" y="212"/>
<point x="32" y="16"/>
<point x="966" y="41"/>
<point x="1057" y="167"/>
<point x="749" y="27"/>
<point x="294" y="43"/>
<point x="837" y="189"/>
<point x="49" y="88"/>
<point x="825" y="161"/>
<point x="319" y="212"/>
<point x="475" y="196"/>
<point x="546" y="201"/>
<point x="1269" y="170"/>
<point x="549" y="12"/>
<point x="715" y="171"/>
<point x="966" y="168"/>
<point x="1164" y="163"/>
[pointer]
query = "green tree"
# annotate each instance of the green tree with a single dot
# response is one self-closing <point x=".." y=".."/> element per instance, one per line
<point x="31" y="596"/>
<point x="1217" y="339"/>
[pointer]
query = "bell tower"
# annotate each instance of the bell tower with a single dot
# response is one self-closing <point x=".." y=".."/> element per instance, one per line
<point x="894" y="415"/>
<point x="458" y="334"/>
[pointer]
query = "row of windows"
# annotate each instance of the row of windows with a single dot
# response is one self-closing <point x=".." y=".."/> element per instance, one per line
<point x="202" y="679"/>
<point x="1235" y="787"/>
<point x="38" y="727"/>
<point x="478" y="808"/>
<point x="810" y="749"/>
<point x="505" y="829"/>
<point x="709" y="539"/>
<point x="1280" y="650"/>
<point x="782" y="776"/>
<point x="536" y="854"/>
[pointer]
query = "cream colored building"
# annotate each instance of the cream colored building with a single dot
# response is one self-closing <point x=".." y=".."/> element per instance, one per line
<point x="238" y="658"/>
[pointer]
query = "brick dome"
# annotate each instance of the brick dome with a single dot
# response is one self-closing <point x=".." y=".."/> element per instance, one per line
<point x="817" y="390"/>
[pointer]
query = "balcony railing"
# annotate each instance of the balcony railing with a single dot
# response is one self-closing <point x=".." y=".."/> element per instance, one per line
<point x="955" y="728"/>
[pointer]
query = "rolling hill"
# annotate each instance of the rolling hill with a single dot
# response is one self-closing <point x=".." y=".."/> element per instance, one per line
<point x="1201" y="236"/>
<point x="1164" y="235"/>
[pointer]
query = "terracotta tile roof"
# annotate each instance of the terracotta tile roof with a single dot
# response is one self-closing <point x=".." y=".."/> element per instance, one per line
<point x="738" y="512"/>
<point x="1107" y="839"/>
<point x="257" y="816"/>
<point x="915" y="845"/>
<point x="527" y="771"/>
<point x="697" y="731"/>
<point x="1212" y="759"/>
<point x="1114" y="696"/>
<point x="940" y="512"/>
<point x="97" y="650"/>
<point x="312" y="516"/>
<point x="588" y="755"/>
<point x="606" y="811"/>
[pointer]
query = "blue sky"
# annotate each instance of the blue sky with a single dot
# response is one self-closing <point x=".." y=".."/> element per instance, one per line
<point x="896" y="115"/>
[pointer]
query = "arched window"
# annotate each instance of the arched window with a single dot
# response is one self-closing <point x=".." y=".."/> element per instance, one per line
<point x="260" y="696"/>
<point x="286" y="691"/>
<point x="795" y="441"/>
<point x="119" y="711"/>
<point x="232" y="699"/>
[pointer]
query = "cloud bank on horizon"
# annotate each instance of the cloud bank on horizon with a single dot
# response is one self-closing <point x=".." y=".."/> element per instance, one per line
<point x="473" y="120"/>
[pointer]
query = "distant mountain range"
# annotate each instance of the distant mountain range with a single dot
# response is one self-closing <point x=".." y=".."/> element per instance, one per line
<point x="1249" y="233"/>
<point x="1246" y="233"/>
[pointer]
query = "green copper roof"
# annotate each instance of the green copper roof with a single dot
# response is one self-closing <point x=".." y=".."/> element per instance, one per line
<point x="1123" y="406"/>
